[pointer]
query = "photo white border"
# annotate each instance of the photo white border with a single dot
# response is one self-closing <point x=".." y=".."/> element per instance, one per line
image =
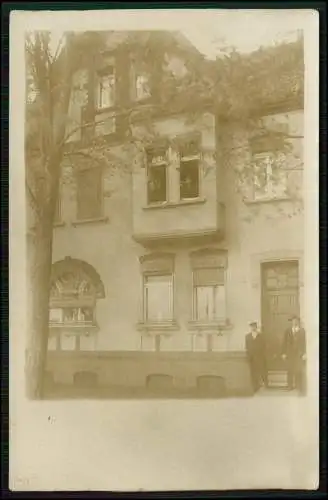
<point x="159" y="445"/>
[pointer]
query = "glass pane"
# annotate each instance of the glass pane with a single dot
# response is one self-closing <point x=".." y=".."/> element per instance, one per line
<point x="158" y="297"/>
<point x="67" y="341"/>
<point x="107" y="91"/>
<point x="142" y="86"/>
<point x="272" y="283"/>
<point x="205" y="306"/>
<point x="70" y="314"/>
<point x="157" y="184"/>
<point x="55" y="315"/>
<point x="189" y="179"/>
<point x="220" y="302"/>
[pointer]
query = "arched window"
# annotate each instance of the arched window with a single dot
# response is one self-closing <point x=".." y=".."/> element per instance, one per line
<point x="74" y="290"/>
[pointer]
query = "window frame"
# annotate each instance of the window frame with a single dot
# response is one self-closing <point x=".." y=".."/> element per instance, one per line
<point x="189" y="158"/>
<point x="203" y="260"/>
<point x="66" y="300"/>
<point x="160" y="274"/>
<point x="100" y="171"/>
<point x="195" y="315"/>
<point x="110" y="74"/>
<point x="165" y="164"/>
<point x="142" y="97"/>
<point x="268" y="191"/>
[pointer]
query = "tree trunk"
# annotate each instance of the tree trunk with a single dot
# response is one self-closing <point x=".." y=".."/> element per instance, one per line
<point x="39" y="264"/>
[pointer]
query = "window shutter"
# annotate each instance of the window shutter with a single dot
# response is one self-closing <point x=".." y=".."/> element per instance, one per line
<point x="209" y="258"/>
<point x="208" y="277"/>
<point x="161" y="264"/>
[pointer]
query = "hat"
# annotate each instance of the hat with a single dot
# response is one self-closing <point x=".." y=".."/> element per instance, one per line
<point x="253" y="323"/>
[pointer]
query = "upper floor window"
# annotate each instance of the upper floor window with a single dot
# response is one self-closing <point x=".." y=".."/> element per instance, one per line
<point x="75" y="287"/>
<point x="189" y="154"/>
<point x="209" y="292"/>
<point x="157" y="166"/>
<point x="142" y="86"/>
<point x="157" y="272"/>
<point x="269" y="168"/>
<point x="106" y="88"/>
<point x="89" y="193"/>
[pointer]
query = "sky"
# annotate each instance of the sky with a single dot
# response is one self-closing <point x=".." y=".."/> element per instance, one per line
<point x="246" y="30"/>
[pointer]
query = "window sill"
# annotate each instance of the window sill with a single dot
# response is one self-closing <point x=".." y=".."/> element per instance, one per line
<point x="107" y="109"/>
<point x="158" y="328"/>
<point x="95" y="220"/>
<point x="209" y="326"/>
<point x="167" y="204"/>
<point x="266" y="199"/>
<point x="73" y="327"/>
<point x="59" y="224"/>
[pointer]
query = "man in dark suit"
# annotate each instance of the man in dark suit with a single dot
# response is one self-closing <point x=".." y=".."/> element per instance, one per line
<point x="294" y="352"/>
<point x="255" y="349"/>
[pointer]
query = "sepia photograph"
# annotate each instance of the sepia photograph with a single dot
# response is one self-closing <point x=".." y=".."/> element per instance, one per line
<point x="165" y="221"/>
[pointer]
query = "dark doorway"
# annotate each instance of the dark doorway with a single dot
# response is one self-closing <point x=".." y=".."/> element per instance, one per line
<point x="280" y="300"/>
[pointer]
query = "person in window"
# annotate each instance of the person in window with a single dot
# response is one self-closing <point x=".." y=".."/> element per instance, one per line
<point x="255" y="350"/>
<point x="294" y="352"/>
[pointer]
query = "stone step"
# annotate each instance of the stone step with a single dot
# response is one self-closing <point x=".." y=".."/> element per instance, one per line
<point x="277" y="378"/>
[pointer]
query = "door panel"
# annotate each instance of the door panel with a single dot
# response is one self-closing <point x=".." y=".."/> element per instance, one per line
<point x="280" y="300"/>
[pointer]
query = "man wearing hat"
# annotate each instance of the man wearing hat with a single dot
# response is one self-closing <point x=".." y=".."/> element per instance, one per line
<point x="294" y="352"/>
<point x="255" y="349"/>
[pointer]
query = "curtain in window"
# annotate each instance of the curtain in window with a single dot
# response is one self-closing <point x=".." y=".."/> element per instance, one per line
<point x="189" y="179"/>
<point x="209" y="294"/>
<point x="106" y="96"/>
<point x="158" y="298"/>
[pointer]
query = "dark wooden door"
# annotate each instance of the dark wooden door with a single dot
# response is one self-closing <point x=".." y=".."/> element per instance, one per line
<point x="280" y="300"/>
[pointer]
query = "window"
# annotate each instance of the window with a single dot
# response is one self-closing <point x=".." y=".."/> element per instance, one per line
<point x="75" y="287"/>
<point x="72" y="315"/>
<point x="157" y="176"/>
<point x="142" y="87"/>
<point x="209" y="293"/>
<point x="189" y="170"/>
<point x="89" y="193"/>
<point x="158" y="298"/>
<point x="106" y="89"/>
<point x="270" y="180"/>
<point x="158" y="304"/>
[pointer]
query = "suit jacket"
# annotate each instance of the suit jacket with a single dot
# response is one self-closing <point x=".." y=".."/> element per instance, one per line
<point x="255" y="347"/>
<point x="294" y="344"/>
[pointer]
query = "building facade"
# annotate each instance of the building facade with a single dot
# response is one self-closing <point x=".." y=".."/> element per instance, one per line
<point x="158" y="268"/>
